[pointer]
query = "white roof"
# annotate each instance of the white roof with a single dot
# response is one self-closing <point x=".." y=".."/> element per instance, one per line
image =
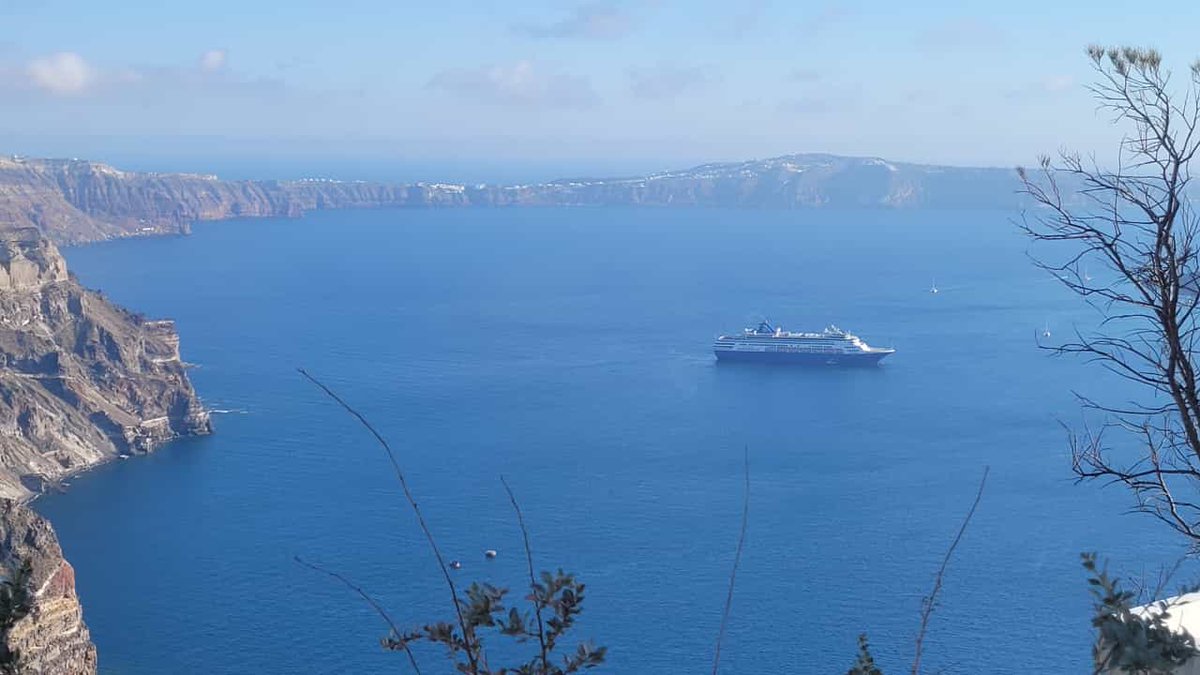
<point x="1184" y="609"/>
<point x="1184" y="614"/>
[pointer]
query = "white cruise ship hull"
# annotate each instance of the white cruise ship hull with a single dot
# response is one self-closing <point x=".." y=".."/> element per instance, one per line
<point x="769" y="344"/>
<point x="866" y="358"/>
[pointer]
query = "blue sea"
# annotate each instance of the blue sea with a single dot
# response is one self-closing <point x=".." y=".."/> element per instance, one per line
<point x="568" y="350"/>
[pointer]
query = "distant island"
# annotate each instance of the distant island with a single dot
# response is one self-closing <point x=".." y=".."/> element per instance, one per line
<point x="78" y="201"/>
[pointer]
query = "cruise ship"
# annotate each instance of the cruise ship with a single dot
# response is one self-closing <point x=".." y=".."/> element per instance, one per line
<point x="770" y="344"/>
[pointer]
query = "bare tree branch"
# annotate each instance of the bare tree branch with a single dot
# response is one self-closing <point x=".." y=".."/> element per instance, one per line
<point x="537" y="606"/>
<point x="472" y="645"/>
<point x="1137" y="222"/>
<point x="929" y="602"/>
<point x="737" y="559"/>
<point x="370" y="601"/>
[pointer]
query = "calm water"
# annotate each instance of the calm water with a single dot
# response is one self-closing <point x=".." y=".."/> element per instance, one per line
<point x="569" y="351"/>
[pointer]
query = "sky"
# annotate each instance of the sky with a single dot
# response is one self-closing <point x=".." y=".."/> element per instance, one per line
<point x="607" y="86"/>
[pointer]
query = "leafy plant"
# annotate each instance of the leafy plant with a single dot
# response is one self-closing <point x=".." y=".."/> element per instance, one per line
<point x="558" y="595"/>
<point x="480" y="610"/>
<point x="865" y="663"/>
<point x="1129" y="641"/>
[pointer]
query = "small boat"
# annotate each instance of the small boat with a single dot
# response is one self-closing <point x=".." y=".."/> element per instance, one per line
<point x="934" y="289"/>
<point x="455" y="565"/>
<point x="490" y="553"/>
<point x="1046" y="330"/>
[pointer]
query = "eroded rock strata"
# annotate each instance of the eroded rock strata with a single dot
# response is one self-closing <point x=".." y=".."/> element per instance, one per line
<point x="76" y="201"/>
<point x="82" y="381"/>
<point x="52" y="639"/>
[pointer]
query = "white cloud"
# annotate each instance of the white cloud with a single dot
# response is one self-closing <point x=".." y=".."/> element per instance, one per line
<point x="1058" y="83"/>
<point x="960" y="34"/>
<point x="806" y="106"/>
<point x="827" y="17"/>
<point x="68" y="75"/>
<point x="213" y="60"/>
<point x="746" y="19"/>
<point x="520" y="83"/>
<point x="828" y="100"/>
<point x="596" y="21"/>
<point x="803" y="75"/>
<point x="664" y="82"/>
<point x="1049" y="86"/>
<point x="62" y="74"/>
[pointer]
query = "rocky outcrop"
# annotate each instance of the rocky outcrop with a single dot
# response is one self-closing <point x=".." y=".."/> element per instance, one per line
<point x="76" y="201"/>
<point x="28" y="262"/>
<point x="82" y="381"/>
<point x="52" y="639"/>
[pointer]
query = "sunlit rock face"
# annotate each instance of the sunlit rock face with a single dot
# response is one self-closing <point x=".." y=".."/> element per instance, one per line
<point x="75" y="201"/>
<point x="53" y="638"/>
<point x="28" y="261"/>
<point x="82" y="381"/>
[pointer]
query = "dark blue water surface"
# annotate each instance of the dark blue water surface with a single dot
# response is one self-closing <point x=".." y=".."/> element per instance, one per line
<point x="568" y="350"/>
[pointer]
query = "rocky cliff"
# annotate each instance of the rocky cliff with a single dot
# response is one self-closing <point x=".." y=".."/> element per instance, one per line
<point x="52" y="639"/>
<point x="82" y="381"/>
<point x="76" y="201"/>
<point x="797" y="181"/>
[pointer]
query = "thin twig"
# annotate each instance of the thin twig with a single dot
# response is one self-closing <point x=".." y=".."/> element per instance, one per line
<point x="370" y="601"/>
<point x="537" y="605"/>
<point x="1165" y="575"/>
<point x="737" y="559"/>
<point x="930" y="601"/>
<point x="412" y="502"/>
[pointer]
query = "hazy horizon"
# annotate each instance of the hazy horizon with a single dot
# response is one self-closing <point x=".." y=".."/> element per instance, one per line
<point x="382" y="167"/>
<point x="581" y="87"/>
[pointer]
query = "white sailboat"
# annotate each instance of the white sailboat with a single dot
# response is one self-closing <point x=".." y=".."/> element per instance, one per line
<point x="934" y="289"/>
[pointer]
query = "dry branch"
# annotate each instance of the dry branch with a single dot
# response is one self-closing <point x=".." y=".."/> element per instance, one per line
<point x="929" y="602"/>
<point x="737" y="559"/>
<point x="472" y="647"/>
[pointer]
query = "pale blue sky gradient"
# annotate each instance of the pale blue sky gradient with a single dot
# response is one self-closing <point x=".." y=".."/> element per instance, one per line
<point x="573" y="85"/>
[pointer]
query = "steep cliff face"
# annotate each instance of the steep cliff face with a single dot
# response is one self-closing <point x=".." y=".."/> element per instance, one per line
<point x="795" y="181"/>
<point x="78" y="201"/>
<point x="82" y="380"/>
<point x="75" y="201"/>
<point x="52" y="639"/>
<point x="30" y="196"/>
